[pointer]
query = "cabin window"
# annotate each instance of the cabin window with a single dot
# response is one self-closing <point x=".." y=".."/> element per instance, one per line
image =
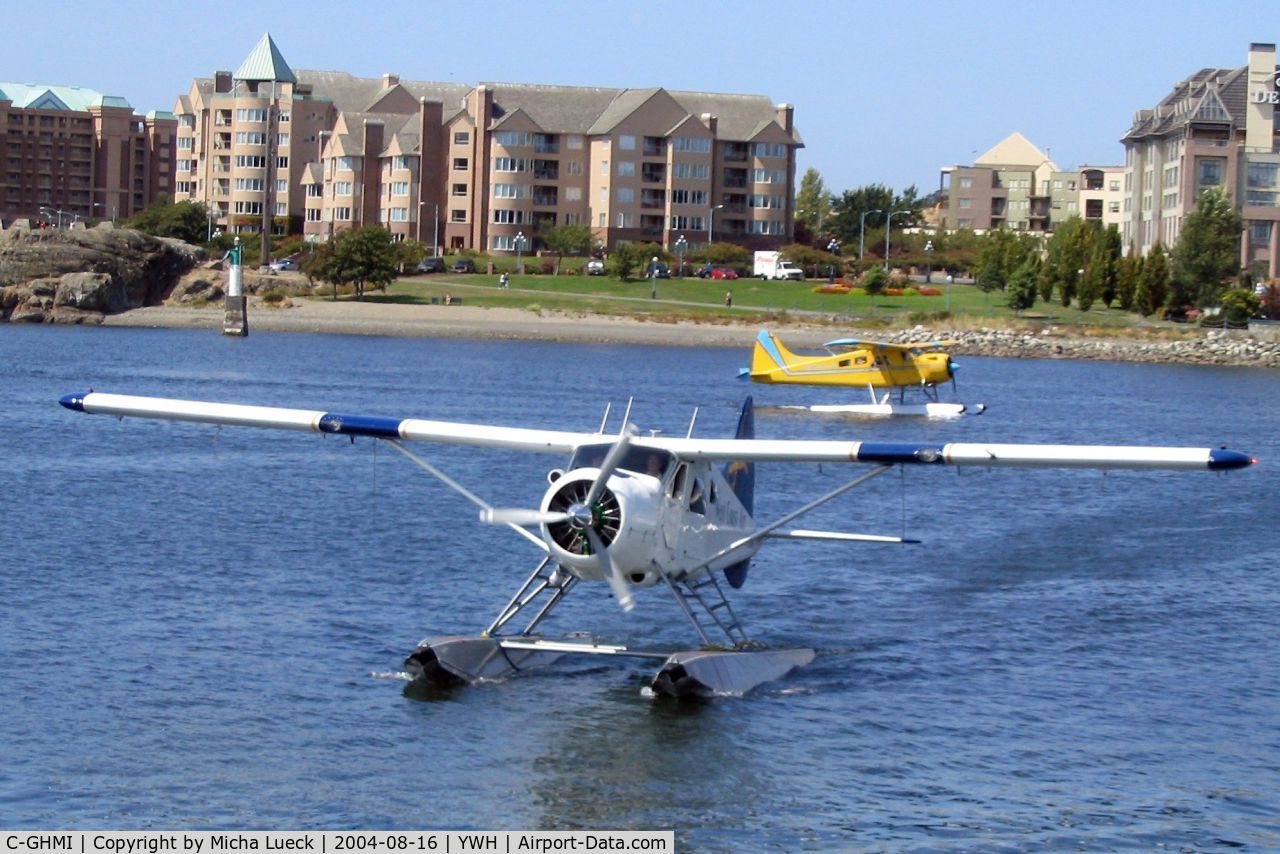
<point x="844" y="363"/>
<point x="862" y="360"/>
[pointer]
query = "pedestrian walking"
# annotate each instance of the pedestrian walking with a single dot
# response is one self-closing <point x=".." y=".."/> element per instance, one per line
<point x="728" y="299"/>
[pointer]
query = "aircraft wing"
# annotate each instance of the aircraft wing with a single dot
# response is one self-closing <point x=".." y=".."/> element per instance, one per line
<point x="885" y="345"/>
<point x="747" y="450"/>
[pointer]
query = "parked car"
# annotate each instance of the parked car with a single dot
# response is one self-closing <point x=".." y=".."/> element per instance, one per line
<point x="431" y="265"/>
<point x="595" y="267"/>
<point x="463" y="265"/>
<point x="723" y="273"/>
<point x="281" y="264"/>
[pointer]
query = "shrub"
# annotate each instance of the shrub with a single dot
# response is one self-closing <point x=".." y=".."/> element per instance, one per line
<point x="929" y="292"/>
<point x="893" y="292"/>
<point x="274" y="297"/>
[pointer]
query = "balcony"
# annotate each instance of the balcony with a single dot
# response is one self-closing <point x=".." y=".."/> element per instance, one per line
<point x="545" y="197"/>
<point x="654" y="146"/>
<point x="653" y="174"/>
<point x="546" y="170"/>
<point x="735" y="153"/>
<point x="542" y="221"/>
<point x="653" y="199"/>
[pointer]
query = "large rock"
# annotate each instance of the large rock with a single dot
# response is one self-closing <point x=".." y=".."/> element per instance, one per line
<point x="76" y="276"/>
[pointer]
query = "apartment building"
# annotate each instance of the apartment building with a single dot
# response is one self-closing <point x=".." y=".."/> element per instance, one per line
<point x="1215" y="129"/>
<point x="489" y="166"/>
<point x="68" y="153"/>
<point x="1016" y="185"/>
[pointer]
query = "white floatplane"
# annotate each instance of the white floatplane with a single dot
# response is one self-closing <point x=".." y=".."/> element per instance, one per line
<point x="640" y="512"/>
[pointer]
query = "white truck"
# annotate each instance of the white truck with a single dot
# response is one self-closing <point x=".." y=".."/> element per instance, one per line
<point x="771" y="265"/>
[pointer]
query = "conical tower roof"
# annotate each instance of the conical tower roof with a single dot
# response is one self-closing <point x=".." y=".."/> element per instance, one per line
<point x="265" y="63"/>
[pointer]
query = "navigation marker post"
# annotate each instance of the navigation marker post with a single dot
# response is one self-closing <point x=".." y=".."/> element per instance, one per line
<point x="236" y="317"/>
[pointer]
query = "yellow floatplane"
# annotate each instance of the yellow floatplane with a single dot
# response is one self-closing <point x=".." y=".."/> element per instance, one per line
<point x="918" y="367"/>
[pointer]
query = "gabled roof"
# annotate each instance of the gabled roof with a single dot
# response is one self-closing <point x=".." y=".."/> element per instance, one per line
<point x="1211" y="95"/>
<point x="626" y="102"/>
<point x="1014" y="150"/>
<point x="38" y="96"/>
<point x="349" y="93"/>
<point x="265" y="63"/>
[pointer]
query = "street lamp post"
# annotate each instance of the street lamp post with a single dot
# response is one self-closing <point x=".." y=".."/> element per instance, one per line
<point x="519" y="250"/>
<point x="888" y="230"/>
<point x="711" y="220"/>
<point x="928" y="267"/>
<point x="653" y="277"/>
<point x="833" y="247"/>
<point x="862" y="231"/>
<point x="681" y="245"/>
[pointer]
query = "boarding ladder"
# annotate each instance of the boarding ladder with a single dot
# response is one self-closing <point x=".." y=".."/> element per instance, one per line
<point x="705" y="595"/>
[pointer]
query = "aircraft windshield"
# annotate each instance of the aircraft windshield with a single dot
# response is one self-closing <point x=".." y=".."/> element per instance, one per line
<point x="639" y="460"/>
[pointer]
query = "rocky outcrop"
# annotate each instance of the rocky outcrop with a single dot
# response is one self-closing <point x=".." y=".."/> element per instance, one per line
<point x="79" y="275"/>
<point x="1243" y="347"/>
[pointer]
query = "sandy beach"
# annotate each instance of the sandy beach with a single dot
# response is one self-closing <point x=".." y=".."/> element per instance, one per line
<point x="456" y="321"/>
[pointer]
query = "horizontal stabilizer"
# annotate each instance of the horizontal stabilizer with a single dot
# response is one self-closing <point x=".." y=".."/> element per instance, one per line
<point x="838" y="535"/>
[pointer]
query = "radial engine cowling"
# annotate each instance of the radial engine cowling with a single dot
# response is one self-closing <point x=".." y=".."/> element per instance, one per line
<point x="625" y="518"/>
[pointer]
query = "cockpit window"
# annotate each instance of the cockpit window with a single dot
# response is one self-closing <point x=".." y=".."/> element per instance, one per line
<point x="648" y="461"/>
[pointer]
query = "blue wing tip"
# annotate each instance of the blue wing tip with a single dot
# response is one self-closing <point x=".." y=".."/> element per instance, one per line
<point x="74" y="402"/>
<point x="743" y="373"/>
<point x="1221" y="459"/>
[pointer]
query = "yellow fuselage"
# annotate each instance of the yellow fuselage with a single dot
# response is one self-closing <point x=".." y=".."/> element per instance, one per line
<point x="862" y="367"/>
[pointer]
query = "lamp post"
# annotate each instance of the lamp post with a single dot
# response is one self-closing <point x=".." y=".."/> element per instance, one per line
<point x="435" y="226"/>
<point x="681" y="245"/>
<point x="519" y="250"/>
<point x="833" y="247"/>
<point x="928" y="267"/>
<point x="711" y="220"/>
<point x="653" y="277"/>
<point x="888" y="230"/>
<point x="862" y="231"/>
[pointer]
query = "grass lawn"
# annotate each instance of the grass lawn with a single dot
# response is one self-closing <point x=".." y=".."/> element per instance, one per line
<point x="752" y="299"/>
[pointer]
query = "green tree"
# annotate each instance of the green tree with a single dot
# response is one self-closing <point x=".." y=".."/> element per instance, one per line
<point x="1207" y="258"/>
<point x="625" y="259"/>
<point x="845" y="221"/>
<point x="875" y="280"/>
<point x="1153" y="282"/>
<point x="568" y="240"/>
<point x="1240" y="304"/>
<point x="357" y="257"/>
<point x="813" y="207"/>
<point x="1068" y="250"/>
<point x="187" y="221"/>
<point x="1110" y="275"/>
<point x="1020" y="293"/>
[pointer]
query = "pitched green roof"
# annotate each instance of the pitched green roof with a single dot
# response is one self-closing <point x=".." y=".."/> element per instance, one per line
<point x="265" y="63"/>
<point x="38" y="96"/>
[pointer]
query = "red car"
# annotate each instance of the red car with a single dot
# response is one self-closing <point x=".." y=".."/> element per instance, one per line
<point x="723" y="273"/>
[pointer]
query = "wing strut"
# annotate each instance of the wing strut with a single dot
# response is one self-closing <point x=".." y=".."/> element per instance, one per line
<point x="463" y="491"/>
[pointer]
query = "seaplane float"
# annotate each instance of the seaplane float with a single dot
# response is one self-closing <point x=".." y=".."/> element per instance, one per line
<point x="903" y="370"/>
<point x="641" y="512"/>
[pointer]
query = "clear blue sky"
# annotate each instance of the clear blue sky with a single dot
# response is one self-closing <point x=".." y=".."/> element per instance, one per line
<point x="884" y="92"/>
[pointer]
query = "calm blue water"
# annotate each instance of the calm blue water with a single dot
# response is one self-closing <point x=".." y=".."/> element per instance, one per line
<point x="201" y="630"/>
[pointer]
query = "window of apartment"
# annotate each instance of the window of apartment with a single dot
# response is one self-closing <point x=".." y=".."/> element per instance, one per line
<point x="459" y="190"/>
<point x="282" y="209"/>
<point x="313" y="214"/>
<point x="462" y="137"/>
<point x="572" y="219"/>
<point x="399" y="214"/>
<point x="1072" y="206"/>
<point x="282" y="162"/>
<point x="604" y="167"/>
<point x="284" y="116"/>
<point x="679" y="197"/>
<point x="460" y="164"/>
<point x="604" y="194"/>
<point x="964" y="183"/>
<point x="183" y="166"/>
<point x="282" y="139"/>
<point x="573" y="167"/>
<point x="399" y="188"/>
<point x="626" y="220"/>
<point x="627" y="168"/>
<point x="457" y="215"/>
<point x="626" y="195"/>
<point x="1114" y="207"/>
<point x="964" y="203"/>
<point x="282" y="186"/>
<point x="1057" y="184"/>
<point x="505" y="242"/>
<point x="1115" y="186"/>
<point x="688" y="143"/>
<point x="573" y="194"/>
<point x="1260" y="231"/>
<point x="315" y="191"/>
<point x="185" y="143"/>
<point x="254" y="208"/>
<point x="1261" y="174"/>
<point x="508" y="217"/>
<point x="768" y="149"/>
<point x="603" y="221"/>
<point x="400" y="162"/>
<point x="343" y="164"/>
<point x="342" y="188"/>
<point x="342" y="214"/>
<point x="508" y="164"/>
<point x="627" y="142"/>
<point x="513" y="139"/>
<point x="251" y="115"/>
<point x="506" y="191"/>
<point x="250" y="184"/>
<point x="246" y="137"/>
<point x="572" y="141"/>
<point x="679" y="222"/>
<point x="1210" y="171"/>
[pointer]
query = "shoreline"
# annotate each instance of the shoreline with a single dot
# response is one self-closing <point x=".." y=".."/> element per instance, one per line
<point x="1246" y="348"/>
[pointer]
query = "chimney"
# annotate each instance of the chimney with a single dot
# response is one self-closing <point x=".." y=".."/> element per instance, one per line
<point x="710" y="121"/>
<point x="222" y="81"/>
<point x="786" y="116"/>
<point x="389" y="80"/>
<point x="371" y="172"/>
<point x="1259" y="111"/>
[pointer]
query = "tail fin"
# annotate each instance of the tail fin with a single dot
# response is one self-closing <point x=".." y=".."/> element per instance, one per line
<point x="768" y="358"/>
<point x="741" y="476"/>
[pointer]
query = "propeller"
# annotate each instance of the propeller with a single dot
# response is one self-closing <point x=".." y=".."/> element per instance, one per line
<point x="582" y="517"/>
<point x="520" y="516"/>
